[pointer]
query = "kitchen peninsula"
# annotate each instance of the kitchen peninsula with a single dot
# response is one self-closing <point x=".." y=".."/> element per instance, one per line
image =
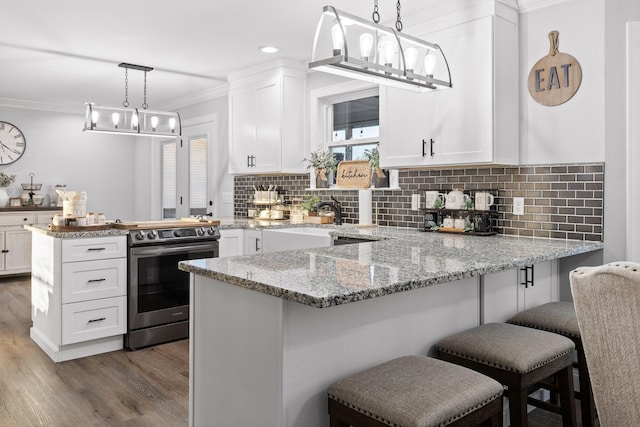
<point x="270" y="332"/>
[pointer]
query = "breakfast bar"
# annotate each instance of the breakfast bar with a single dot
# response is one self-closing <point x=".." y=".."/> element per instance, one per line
<point x="270" y="332"/>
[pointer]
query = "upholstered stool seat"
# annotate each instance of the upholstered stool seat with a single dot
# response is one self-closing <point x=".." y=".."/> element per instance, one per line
<point x="415" y="391"/>
<point x="560" y="318"/>
<point x="518" y="358"/>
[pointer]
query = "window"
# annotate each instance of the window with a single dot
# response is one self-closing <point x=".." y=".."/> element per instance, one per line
<point x="169" y="189"/>
<point x="354" y="124"/>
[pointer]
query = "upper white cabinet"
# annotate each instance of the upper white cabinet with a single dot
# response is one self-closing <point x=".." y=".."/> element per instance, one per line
<point x="475" y="122"/>
<point x="266" y="121"/>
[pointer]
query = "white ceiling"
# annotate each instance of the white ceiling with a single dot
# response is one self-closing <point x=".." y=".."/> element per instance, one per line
<point x="66" y="52"/>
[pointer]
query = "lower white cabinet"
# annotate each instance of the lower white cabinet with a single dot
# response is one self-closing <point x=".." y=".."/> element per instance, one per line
<point x="78" y="295"/>
<point x="15" y="242"/>
<point x="508" y="292"/>
<point x="252" y="242"/>
<point x="231" y="242"/>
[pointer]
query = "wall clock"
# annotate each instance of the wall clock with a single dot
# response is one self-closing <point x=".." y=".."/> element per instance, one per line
<point x="12" y="143"/>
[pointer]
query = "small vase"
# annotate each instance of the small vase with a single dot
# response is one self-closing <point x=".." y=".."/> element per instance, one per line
<point x="4" y="197"/>
<point x="322" y="180"/>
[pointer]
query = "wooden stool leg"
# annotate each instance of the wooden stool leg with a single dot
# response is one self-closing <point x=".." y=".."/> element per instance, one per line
<point x="587" y="405"/>
<point x="567" y="402"/>
<point x="518" y="408"/>
<point x="495" y="421"/>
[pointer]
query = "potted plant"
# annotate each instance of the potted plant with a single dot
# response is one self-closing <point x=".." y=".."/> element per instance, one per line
<point x="379" y="176"/>
<point x="5" y="180"/>
<point x="308" y="203"/>
<point x="323" y="162"/>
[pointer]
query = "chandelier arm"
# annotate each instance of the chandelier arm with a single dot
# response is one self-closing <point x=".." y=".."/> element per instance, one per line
<point x="404" y="64"/>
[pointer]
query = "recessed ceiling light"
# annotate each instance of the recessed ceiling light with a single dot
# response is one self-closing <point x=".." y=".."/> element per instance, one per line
<point x="269" y="49"/>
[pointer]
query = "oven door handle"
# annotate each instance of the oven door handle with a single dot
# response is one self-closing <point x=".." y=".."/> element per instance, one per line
<point x="163" y="250"/>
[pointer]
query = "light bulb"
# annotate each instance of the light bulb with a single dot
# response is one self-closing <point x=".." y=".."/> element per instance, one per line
<point x="387" y="50"/>
<point x="94" y="117"/>
<point x="430" y="63"/>
<point x="366" y="43"/>
<point x="134" y="121"/>
<point x="154" y="123"/>
<point x="410" y="56"/>
<point x="172" y="123"/>
<point x="337" y="39"/>
<point x="115" y="117"/>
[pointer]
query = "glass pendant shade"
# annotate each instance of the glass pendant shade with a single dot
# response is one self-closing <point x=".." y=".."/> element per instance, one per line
<point x="387" y="57"/>
<point x="131" y="121"/>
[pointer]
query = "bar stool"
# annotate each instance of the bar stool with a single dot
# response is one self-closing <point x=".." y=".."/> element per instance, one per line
<point x="560" y="318"/>
<point x="415" y="391"/>
<point x="518" y="358"/>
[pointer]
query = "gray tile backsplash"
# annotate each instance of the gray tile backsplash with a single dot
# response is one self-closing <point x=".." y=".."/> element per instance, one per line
<point x="561" y="201"/>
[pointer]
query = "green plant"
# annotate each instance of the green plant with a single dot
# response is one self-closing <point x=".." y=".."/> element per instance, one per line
<point x="322" y="159"/>
<point x="6" y="179"/>
<point x="373" y="156"/>
<point x="309" y="201"/>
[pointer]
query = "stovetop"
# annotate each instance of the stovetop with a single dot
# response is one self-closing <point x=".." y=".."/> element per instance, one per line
<point x="174" y="234"/>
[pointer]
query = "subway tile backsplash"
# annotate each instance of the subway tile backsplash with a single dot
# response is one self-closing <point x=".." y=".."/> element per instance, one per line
<point x="561" y="201"/>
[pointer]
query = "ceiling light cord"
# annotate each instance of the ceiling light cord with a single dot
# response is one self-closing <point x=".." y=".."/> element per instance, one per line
<point x="126" y="88"/>
<point x="144" y="103"/>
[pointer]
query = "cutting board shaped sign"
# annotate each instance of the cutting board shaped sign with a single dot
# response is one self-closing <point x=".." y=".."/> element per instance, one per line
<point x="556" y="77"/>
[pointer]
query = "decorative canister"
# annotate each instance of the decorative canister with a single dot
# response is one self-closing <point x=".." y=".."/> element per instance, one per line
<point x="91" y="218"/>
<point x="74" y="208"/>
<point x="101" y="219"/>
<point x="459" y="223"/>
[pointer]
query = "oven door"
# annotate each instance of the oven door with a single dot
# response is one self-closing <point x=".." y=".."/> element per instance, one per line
<point x="158" y="291"/>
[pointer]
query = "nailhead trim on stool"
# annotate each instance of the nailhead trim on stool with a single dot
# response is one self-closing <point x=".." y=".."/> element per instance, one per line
<point x="560" y="318"/>
<point x="518" y="358"/>
<point x="415" y="391"/>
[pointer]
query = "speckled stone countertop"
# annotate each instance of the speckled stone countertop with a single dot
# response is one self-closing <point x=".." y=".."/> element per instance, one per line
<point x="396" y="260"/>
<point x="43" y="229"/>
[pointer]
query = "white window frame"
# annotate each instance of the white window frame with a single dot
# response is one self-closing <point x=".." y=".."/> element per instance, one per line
<point x="328" y="103"/>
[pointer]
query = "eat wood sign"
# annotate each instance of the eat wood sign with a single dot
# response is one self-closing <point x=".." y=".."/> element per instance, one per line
<point x="555" y="78"/>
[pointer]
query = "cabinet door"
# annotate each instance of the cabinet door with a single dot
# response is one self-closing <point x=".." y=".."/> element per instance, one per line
<point x="241" y="129"/>
<point x="18" y="247"/>
<point x="500" y="296"/>
<point x="252" y="242"/>
<point x="268" y="128"/>
<point x="406" y="120"/>
<point x="231" y="243"/>
<point x="544" y="289"/>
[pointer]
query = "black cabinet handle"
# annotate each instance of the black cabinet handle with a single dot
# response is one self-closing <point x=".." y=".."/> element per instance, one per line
<point x="248" y="161"/>
<point x="5" y="251"/>
<point x="100" y="319"/>
<point x="95" y="280"/>
<point x="257" y="247"/>
<point x="424" y="153"/>
<point x="424" y="150"/>
<point x="97" y="249"/>
<point x="528" y="276"/>
<point x="431" y="146"/>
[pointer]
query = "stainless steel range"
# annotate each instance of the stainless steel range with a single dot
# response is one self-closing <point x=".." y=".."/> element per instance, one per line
<point x="158" y="293"/>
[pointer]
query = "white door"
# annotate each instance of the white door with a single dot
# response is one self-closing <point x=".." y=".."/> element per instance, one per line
<point x="187" y="173"/>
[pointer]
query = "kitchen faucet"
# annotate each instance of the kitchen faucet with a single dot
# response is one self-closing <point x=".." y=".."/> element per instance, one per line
<point x="335" y="206"/>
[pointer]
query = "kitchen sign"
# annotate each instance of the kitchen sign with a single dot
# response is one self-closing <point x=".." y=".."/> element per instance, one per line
<point x="354" y="174"/>
<point x="556" y="77"/>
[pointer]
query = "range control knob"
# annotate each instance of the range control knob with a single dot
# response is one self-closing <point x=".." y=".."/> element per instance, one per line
<point x="152" y="234"/>
<point x="200" y="231"/>
<point x="139" y="235"/>
<point x="211" y="231"/>
<point x="177" y="233"/>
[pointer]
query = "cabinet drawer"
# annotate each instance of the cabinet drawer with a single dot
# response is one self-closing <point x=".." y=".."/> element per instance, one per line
<point x="90" y="280"/>
<point x="94" y="248"/>
<point x="46" y="217"/>
<point x="17" y="218"/>
<point x="89" y="320"/>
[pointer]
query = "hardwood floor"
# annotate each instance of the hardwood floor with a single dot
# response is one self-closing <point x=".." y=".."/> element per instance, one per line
<point x="148" y="387"/>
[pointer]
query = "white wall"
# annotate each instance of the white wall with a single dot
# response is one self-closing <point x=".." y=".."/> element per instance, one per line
<point x="575" y="130"/>
<point x="59" y="152"/>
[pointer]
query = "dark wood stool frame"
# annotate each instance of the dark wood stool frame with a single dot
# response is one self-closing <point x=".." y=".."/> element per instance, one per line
<point x="519" y="384"/>
<point x="490" y="415"/>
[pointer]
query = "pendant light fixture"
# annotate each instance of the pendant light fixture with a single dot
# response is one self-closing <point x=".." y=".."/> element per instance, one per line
<point x="387" y="56"/>
<point x="132" y="121"/>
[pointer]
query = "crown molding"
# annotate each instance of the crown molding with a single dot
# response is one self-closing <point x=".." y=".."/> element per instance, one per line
<point x="42" y="106"/>
<point x="202" y="96"/>
<point x="530" y="5"/>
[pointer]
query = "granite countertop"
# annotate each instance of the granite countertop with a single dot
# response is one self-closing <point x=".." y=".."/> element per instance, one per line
<point x="80" y="234"/>
<point x="401" y="260"/>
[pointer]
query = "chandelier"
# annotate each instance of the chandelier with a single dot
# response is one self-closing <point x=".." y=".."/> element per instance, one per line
<point x="131" y="121"/>
<point x="386" y="55"/>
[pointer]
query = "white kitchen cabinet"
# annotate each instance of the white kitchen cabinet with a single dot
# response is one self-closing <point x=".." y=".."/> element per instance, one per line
<point x="78" y="295"/>
<point x="15" y="242"/>
<point x="508" y="292"/>
<point x="266" y="121"/>
<point x="252" y="242"/>
<point x="476" y="121"/>
<point x="231" y="242"/>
